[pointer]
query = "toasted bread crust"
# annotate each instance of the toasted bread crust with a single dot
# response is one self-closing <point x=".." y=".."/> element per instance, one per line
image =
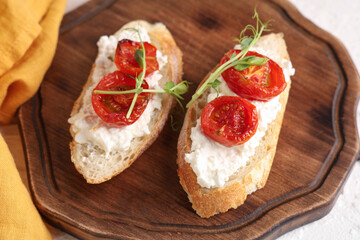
<point x="208" y="202"/>
<point x="164" y="41"/>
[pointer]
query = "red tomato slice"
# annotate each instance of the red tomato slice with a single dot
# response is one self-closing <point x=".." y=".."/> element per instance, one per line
<point x="113" y="108"/>
<point x="256" y="82"/>
<point x="229" y="120"/>
<point x="125" y="57"/>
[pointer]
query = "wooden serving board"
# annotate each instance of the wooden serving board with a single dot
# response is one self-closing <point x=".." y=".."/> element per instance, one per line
<point x="318" y="142"/>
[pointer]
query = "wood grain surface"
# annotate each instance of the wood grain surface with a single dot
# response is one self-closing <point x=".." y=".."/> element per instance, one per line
<point x="317" y="148"/>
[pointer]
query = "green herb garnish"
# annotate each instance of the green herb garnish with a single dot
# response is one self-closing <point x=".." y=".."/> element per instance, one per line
<point x="174" y="90"/>
<point x="238" y="61"/>
<point x="214" y="85"/>
<point x="139" y="56"/>
<point x="176" y="118"/>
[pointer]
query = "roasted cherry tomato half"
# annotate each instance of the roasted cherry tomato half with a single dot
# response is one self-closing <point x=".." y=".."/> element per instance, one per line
<point x="125" y="57"/>
<point x="259" y="83"/>
<point x="229" y="120"/>
<point x="113" y="108"/>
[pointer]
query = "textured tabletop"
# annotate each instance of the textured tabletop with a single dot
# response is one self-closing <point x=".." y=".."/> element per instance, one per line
<point x="341" y="20"/>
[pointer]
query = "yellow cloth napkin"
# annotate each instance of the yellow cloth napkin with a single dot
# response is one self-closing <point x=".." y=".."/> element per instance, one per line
<point x="19" y="218"/>
<point x="28" y="37"/>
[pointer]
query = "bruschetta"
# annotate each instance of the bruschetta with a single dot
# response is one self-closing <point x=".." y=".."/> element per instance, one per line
<point x="105" y="140"/>
<point x="228" y="141"/>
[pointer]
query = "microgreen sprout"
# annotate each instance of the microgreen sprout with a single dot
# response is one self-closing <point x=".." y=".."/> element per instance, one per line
<point x="238" y="61"/>
<point x="174" y="90"/>
<point x="176" y="118"/>
<point x="214" y="85"/>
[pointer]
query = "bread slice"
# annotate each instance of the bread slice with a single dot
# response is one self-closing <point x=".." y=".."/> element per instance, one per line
<point x="94" y="163"/>
<point x="210" y="201"/>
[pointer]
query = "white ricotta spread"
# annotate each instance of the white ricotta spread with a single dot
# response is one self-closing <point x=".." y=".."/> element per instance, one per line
<point x="88" y="126"/>
<point x="214" y="163"/>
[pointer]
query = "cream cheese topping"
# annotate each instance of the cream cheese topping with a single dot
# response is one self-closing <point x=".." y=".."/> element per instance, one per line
<point x="214" y="163"/>
<point x="87" y="125"/>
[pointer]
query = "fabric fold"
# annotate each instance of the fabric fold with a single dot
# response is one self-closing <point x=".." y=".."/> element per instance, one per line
<point x="23" y="79"/>
<point x="28" y="39"/>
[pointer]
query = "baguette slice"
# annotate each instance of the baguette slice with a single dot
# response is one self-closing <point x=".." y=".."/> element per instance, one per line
<point x="210" y="201"/>
<point x="94" y="163"/>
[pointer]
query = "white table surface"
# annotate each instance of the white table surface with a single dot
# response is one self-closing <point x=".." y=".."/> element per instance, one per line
<point x="342" y="19"/>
